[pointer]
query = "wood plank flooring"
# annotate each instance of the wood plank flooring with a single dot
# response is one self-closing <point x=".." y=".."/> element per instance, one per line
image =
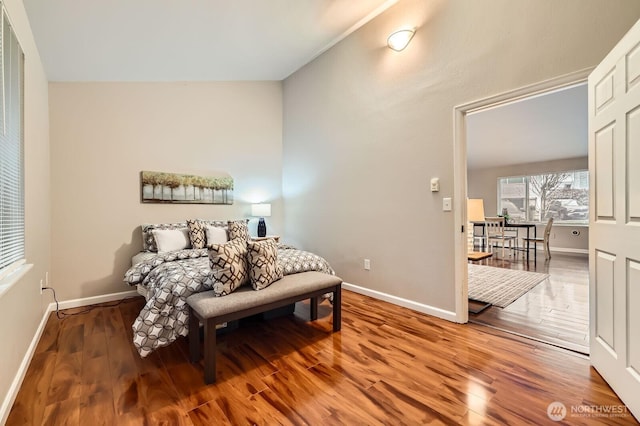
<point x="388" y="365"/>
<point x="555" y="311"/>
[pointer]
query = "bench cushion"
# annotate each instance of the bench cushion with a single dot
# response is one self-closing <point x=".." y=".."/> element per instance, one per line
<point x="208" y="305"/>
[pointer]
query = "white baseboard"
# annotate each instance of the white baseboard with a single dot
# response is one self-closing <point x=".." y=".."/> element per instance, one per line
<point x="562" y="250"/>
<point x="569" y="250"/>
<point x="76" y="303"/>
<point x="420" y="307"/>
<point x="22" y="370"/>
<point x="24" y="365"/>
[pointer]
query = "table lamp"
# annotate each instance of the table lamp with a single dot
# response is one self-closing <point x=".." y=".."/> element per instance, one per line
<point x="475" y="213"/>
<point x="261" y="210"/>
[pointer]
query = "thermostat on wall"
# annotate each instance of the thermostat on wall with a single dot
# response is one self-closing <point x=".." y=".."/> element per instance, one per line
<point x="435" y="184"/>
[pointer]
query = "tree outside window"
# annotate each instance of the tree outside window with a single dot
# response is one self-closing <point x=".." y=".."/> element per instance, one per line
<point x="563" y="196"/>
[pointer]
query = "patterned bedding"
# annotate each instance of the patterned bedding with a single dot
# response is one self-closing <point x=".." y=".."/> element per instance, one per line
<point x="172" y="277"/>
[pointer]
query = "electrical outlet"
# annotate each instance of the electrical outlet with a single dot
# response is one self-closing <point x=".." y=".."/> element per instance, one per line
<point x="367" y="264"/>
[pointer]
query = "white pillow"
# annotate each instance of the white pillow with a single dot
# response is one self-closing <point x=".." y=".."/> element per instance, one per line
<point x="171" y="239"/>
<point x="216" y="235"/>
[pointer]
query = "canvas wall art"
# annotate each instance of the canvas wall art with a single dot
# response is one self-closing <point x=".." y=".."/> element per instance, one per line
<point x="162" y="187"/>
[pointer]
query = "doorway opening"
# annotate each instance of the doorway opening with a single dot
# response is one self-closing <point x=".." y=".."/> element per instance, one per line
<point x="524" y="155"/>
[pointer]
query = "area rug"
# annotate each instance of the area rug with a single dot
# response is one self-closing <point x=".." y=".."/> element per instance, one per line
<point x="498" y="286"/>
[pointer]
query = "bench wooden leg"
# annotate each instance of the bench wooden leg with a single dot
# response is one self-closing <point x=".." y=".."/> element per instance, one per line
<point x="209" y="351"/>
<point x="337" y="308"/>
<point x="194" y="337"/>
<point x="314" y="308"/>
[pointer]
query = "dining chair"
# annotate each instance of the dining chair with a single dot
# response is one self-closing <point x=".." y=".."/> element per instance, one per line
<point x="544" y="240"/>
<point x="494" y="231"/>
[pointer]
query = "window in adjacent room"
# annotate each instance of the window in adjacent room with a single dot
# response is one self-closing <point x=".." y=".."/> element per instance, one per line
<point x="11" y="150"/>
<point x="563" y="196"/>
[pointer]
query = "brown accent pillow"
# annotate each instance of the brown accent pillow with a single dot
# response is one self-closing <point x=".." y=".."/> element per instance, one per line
<point x="196" y="233"/>
<point x="228" y="263"/>
<point x="238" y="229"/>
<point x="264" y="269"/>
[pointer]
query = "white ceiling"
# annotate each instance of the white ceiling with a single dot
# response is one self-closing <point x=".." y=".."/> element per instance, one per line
<point x="204" y="40"/>
<point x="220" y="40"/>
<point x="548" y="127"/>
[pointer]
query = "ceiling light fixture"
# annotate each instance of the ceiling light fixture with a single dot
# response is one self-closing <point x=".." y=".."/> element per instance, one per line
<point x="400" y="39"/>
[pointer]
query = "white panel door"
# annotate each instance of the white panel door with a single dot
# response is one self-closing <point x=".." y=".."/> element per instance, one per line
<point x="614" y="234"/>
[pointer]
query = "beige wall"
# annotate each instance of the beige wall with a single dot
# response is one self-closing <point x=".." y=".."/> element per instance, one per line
<point x="104" y="134"/>
<point x="366" y="128"/>
<point x="483" y="183"/>
<point x="21" y="307"/>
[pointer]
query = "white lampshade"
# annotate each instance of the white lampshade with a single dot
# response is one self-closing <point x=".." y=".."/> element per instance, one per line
<point x="475" y="210"/>
<point x="475" y="213"/>
<point x="400" y="39"/>
<point x="261" y="210"/>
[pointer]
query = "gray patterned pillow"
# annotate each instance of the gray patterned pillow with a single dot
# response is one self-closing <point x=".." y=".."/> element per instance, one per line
<point x="148" y="239"/>
<point x="239" y="229"/>
<point x="196" y="233"/>
<point x="263" y="263"/>
<point x="228" y="263"/>
<point x="216" y="223"/>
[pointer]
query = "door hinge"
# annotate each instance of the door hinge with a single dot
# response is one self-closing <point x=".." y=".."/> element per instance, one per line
<point x="462" y="229"/>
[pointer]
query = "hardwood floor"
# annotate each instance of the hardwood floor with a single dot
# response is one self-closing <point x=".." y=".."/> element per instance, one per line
<point x="388" y="365"/>
<point x="555" y="311"/>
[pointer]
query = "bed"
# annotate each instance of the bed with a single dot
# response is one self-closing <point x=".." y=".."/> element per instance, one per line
<point x="167" y="277"/>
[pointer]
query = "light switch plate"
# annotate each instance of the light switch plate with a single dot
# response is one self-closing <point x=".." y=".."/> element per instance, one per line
<point x="446" y="204"/>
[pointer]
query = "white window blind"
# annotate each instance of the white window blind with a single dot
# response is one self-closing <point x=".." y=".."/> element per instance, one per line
<point x="11" y="147"/>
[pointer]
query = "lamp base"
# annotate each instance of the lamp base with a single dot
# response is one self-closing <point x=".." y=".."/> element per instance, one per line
<point x="262" y="228"/>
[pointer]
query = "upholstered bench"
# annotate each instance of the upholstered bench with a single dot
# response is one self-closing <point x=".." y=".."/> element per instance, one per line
<point x="211" y="310"/>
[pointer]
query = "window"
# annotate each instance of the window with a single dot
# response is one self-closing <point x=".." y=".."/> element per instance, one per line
<point x="11" y="148"/>
<point x="563" y="196"/>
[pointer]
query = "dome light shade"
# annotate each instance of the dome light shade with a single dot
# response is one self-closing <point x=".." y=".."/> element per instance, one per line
<point x="400" y="39"/>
